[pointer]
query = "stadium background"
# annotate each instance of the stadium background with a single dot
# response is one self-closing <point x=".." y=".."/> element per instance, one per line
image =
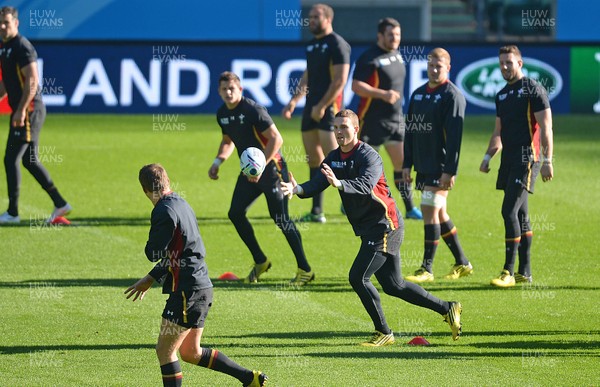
<point x="112" y="56"/>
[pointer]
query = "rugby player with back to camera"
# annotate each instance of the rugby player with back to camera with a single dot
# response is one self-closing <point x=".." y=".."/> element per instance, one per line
<point x="175" y="244"/>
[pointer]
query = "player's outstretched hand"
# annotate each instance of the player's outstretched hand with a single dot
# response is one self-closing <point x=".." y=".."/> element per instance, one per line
<point x="288" y="188"/>
<point x="139" y="288"/>
<point x="331" y="178"/>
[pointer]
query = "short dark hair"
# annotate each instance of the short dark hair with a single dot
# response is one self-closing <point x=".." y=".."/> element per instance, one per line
<point x="228" y="76"/>
<point x="349" y="114"/>
<point x="510" y="49"/>
<point x="154" y="178"/>
<point x="327" y="10"/>
<point x="387" y="22"/>
<point x="10" y="11"/>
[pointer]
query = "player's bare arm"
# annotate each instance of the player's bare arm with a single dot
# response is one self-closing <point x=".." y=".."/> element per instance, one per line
<point x="274" y="142"/>
<point x="365" y="90"/>
<point x="494" y="146"/>
<point x="544" y="119"/>
<point x="225" y="150"/>
<point x="340" y="76"/>
<point x="30" y="86"/>
<point x="299" y="92"/>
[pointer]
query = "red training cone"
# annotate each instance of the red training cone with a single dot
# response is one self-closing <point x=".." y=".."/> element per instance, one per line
<point x="61" y="220"/>
<point x="228" y="276"/>
<point x="419" y="340"/>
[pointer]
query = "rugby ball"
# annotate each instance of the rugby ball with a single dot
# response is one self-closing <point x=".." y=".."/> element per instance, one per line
<point x="252" y="162"/>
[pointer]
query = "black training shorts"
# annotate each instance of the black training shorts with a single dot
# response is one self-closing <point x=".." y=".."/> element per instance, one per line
<point x="382" y="132"/>
<point x="188" y="308"/>
<point x="326" y="122"/>
<point x="519" y="174"/>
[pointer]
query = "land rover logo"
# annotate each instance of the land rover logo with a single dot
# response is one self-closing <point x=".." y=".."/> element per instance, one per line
<point x="481" y="80"/>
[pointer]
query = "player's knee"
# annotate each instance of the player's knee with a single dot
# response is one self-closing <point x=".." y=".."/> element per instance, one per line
<point x="357" y="280"/>
<point x="29" y="163"/>
<point x="162" y="352"/>
<point x="392" y="286"/>
<point x="388" y="288"/>
<point x="508" y="213"/>
<point x="235" y="214"/>
<point x="10" y="161"/>
<point x="189" y="355"/>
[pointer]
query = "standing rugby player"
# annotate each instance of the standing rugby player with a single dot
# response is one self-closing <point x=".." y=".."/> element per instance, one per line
<point x="523" y="132"/>
<point x="379" y="81"/>
<point x="327" y="68"/>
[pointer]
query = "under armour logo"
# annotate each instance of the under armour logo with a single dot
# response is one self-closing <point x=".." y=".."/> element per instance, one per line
<point x="371" y="243"/>
<point x="169" y="313"/>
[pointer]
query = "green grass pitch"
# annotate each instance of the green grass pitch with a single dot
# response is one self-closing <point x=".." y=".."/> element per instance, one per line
<point x="65" y="321"/>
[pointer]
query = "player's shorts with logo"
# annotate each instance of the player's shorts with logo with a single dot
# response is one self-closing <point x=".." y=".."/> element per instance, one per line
<point x="381" y="132"/>
<point x="30" y="132"/>
<point x="517" y="174"/>
<point x="427" y="179"/>
<point x="326" y="122"/>
<point x="188" y="308"/>
<point x="386" y="243"/>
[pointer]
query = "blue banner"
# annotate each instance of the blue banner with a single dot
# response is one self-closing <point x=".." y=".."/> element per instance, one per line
<point x="96" y="77"/>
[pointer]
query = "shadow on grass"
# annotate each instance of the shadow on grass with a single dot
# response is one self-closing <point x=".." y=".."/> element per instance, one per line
<point x="325" y="339"/>
<point x="84" y="222"/>
<point x="537" y="355"/>
<point x="139" y="221"/>
<point x="321" y="285"/>
<point x="41" y="284"/>
<point x="16" y="349"/>
<point x="272" y="285"/>
<point x="549" y="345"/>
<point x="361" y="334"/>
<point x="561" y="344"/>
<point x="114" y="221"/>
